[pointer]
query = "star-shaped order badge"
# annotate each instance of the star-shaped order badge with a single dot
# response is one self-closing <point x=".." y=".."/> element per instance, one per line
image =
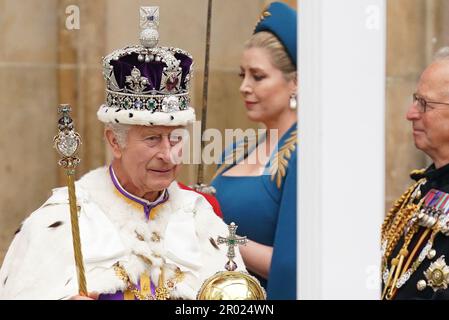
<point x="437" y="276"/>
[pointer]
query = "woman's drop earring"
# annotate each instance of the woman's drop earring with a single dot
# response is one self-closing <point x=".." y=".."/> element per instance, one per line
<point x="293" y="102"/>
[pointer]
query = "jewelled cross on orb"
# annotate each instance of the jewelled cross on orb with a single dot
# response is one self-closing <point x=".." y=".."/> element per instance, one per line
<point x="232" y="240"/>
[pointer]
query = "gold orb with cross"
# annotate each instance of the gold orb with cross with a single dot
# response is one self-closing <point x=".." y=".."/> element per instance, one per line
<point x="231" y="284"/>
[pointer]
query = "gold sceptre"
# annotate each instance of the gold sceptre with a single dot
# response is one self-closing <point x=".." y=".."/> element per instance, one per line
<point x="67" y="143"/>
<point x="200" y="186"/>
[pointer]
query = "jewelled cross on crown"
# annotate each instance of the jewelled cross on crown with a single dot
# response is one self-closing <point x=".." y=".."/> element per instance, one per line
<point x="149" y="23"/>
<point x="149" y="17"/>
<point x="232" y="240"/>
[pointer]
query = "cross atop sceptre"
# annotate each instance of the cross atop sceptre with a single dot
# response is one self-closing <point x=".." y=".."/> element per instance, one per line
<point x="231" y="241"/>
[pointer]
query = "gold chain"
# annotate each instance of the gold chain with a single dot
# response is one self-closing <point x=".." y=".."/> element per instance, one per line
<point x="397" y="219"/>
<point x="394" y="226"/>
<point x="162" y="291"/>
<point x="398" y="206"/>
<point x="397" y="263"/>
<point x="393" y="289"/>
<point x="417" y="262"/>
<point x="398" y="228"/>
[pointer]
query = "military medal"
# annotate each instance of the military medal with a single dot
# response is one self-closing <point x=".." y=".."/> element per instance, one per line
<point x="433" y="215"/>
<point x="435" y="209"/>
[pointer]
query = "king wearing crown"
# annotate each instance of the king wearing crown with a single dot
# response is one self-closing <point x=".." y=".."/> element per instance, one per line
<point x="141" y="235"/>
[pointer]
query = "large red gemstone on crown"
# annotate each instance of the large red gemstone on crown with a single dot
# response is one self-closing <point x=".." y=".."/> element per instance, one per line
<point x="171" y="83"/>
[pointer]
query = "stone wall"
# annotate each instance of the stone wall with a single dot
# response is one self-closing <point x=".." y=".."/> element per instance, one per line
<point x="416" y="29"/>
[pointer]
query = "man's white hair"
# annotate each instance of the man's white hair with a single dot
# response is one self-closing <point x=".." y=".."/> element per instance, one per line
<point x="120" y="131"/>
<point x="441" y="54"/>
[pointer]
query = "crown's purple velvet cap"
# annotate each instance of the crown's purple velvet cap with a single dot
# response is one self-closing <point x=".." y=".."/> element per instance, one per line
<point x="151" y="70"/>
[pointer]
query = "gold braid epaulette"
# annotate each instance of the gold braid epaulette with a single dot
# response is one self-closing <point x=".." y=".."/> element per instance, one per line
<point x="401" y="222"/>
<point x="398" y="204"/>
<point x="397" y="218"/>
<point x="417" y="173"/>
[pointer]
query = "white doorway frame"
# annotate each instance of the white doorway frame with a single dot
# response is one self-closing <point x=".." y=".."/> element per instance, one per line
<point x="342" y="47"/>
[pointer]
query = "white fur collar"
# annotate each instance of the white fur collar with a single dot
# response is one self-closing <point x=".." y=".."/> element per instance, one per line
<point x="113" y="230"/>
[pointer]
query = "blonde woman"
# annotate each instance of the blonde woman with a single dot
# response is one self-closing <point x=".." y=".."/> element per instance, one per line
<point x="259" y="193"/>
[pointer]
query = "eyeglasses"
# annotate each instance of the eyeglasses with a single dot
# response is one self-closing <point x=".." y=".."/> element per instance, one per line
<point x="423" y="104"/>
<point x="155" y="139"/>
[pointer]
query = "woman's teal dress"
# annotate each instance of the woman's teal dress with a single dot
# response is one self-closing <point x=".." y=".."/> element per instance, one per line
<point x="264" y="208"/>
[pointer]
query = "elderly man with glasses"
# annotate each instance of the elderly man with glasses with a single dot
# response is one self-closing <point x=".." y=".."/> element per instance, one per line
<point x="415" y="243"/>
<point x="143" y="237"/>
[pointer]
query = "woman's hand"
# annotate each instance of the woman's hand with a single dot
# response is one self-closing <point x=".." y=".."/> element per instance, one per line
<point x="257" y="257"/>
